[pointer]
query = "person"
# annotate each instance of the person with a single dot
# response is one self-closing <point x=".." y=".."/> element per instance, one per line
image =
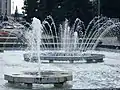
<point x="1" y="18"/>
<point x="5" y="18"/>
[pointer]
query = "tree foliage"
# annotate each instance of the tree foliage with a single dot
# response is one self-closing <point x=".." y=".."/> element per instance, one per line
<point x="109" y="8"/>
<point x="59" y="9"/>
<point x="30" y="7"/>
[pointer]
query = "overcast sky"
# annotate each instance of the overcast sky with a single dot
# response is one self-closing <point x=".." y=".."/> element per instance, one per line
<point x="18" y="3"/>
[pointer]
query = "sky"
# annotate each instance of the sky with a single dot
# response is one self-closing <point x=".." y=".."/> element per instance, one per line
<point x="18" y="3"/>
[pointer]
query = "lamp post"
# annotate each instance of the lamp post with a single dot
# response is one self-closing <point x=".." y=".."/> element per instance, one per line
<point x="99" y="11"/>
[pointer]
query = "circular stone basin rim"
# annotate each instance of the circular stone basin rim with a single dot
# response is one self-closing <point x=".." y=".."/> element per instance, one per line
<point x="65" y="58"/>
<point x="56" y="77"/>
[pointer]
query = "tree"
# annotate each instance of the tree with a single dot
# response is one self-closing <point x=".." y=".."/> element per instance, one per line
<point x="31" y="9"/>
<point x="109" y="8"/>
<point x="95" y="7"/>
<point x="70" y="9"/>
<point x="59" y="9"/>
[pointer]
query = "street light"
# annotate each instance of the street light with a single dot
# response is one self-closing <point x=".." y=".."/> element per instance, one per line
<point x="99" y="8"/>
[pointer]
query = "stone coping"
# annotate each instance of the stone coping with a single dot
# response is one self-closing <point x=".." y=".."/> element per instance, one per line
<point x="46" y="77"/>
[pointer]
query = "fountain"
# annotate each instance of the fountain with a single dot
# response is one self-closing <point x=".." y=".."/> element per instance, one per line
<point x="58" y="78"/>
<point x="70" y="44"/>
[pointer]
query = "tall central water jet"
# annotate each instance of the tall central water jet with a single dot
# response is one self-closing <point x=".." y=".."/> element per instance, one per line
<point x="75" y="39"/>
<point x="33" y="37"/>
<point x="37" y="32"/>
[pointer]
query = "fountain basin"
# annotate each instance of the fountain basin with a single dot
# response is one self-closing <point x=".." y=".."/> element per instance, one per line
<point x="58" y="78"/>
<point x="88" y="57"/>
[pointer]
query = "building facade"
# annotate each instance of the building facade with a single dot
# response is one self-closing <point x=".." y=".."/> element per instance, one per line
<point x="5" y="7"/>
